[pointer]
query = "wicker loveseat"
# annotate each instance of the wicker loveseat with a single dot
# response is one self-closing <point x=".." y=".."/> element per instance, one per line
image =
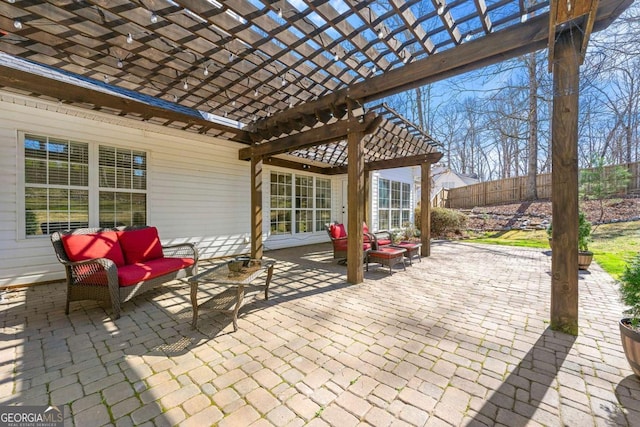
<point x="115" y="264"/>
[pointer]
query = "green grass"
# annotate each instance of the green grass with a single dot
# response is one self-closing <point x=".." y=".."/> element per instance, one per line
<point x="613" y="245"/>
<point x="526" y="238"/>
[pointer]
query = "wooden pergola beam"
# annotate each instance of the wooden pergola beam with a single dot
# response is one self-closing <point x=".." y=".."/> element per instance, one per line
<point x="391" y="163"/>
<point x="35" y="83"/>
<point x="491" y="49"/>
<point x="316" y="136"/>
<point x="290" y="164"/>
<point x="583" y="12"/>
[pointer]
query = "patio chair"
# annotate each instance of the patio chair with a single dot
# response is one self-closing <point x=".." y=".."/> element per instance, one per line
<point x="378" y="238"/>
<point x="338" y="235"/>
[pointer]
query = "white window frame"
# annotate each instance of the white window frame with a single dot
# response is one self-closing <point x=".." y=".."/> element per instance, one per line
<point x="389" y="210"/>
<point x="94" y="188"/>
<point x="293" y="208"/>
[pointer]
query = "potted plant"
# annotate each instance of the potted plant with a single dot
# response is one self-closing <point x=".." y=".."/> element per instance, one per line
<point x="585" y="256"/>
<point x="630" y="327"/>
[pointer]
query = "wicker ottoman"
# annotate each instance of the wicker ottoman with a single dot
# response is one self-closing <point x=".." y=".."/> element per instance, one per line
<point x="388" y="256"/>
<point x="413" y="249"/>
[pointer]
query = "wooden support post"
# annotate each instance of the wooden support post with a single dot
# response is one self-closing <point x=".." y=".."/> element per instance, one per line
<point x="356" y="207"/>
<point x="425" y="208"/>
<point x="564" y="178"/>
<point x="256" y="207"/>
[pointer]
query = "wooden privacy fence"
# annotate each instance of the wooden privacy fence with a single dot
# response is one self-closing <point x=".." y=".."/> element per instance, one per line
<point x="512" y="190"/>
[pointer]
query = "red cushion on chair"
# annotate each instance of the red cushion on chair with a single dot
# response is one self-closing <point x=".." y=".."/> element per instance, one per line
<point x="341" y="245"/>
<point x="135" y="273"/>
<point x="80" y="247"/>
<point x="140" y="245"/>
<point x="383" y="242"/>
<point x="386" y="253"/>
<point x="337" y="231"/>
<point x="365" y="229"/>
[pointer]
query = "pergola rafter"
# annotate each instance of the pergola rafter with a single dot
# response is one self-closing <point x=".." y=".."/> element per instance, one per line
<point x="403" y="9"/>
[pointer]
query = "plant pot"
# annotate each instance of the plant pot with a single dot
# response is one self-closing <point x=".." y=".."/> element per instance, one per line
<point x="584" y="259"/>
<point x="631" y="345"/>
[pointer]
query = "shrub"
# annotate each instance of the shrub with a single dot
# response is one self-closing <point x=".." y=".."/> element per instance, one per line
<point x="584" y="232"/>
<point x="630" y="290"/>
<point x="601" y="182"/>
<point x="408" y="232"/>
<point x="447" y="221"/>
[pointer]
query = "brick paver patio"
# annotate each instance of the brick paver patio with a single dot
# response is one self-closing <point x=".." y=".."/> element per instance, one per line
<point x="458" y="339"/>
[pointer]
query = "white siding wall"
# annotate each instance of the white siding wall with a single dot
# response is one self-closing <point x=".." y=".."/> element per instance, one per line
<point x="446" y="177"/>
<point x="198" y="190"/>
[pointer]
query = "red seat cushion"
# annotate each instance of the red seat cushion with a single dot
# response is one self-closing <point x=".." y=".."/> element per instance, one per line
<point x="386" y="253"/>
<point x="408" y="245"/>
<point x="140" y="245"/>
<point x="80" y="247"/>
<point x="384" y="242"/>
<point x="337" y="231"/>
<point x="341" y="245"/>
<point x="135" y="273"/>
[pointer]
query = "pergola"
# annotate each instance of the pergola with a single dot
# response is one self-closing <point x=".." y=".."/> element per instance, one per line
<point x="296" y="81"/>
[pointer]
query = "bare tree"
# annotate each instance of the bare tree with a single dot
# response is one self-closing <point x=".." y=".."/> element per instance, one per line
<point x="531" y="190"/>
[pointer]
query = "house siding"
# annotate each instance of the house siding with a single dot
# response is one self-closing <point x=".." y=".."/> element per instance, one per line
<point x="443" y="176"/>
<point x="198" y="191"/>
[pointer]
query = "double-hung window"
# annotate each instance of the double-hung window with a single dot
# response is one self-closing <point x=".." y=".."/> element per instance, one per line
<point x="56" y="192"/>
<point x="323" y="203"/>
<point x="281" y="194"/>
<point x="299" y="204"/>
<point x="304" y="204"/>
<point x="123" y="185"/>
<point x="62" y="178"/>
<point x="394" y="204"/>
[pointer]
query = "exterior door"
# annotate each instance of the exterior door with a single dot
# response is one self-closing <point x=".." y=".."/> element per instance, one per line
<point x="344" y="203"/>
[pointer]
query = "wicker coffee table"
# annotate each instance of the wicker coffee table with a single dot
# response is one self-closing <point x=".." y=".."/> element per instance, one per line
<point x="234" y="276"/>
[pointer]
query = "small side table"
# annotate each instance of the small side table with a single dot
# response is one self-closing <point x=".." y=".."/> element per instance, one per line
<point x="233" y="275"/>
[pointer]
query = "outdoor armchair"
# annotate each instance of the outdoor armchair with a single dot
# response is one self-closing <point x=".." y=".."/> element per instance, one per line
<point x="338" y="235"/>
<point x="378" y="238"/>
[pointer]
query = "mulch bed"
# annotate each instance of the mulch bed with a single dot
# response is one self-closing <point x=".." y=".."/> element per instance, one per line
<point x="537" y="214"/>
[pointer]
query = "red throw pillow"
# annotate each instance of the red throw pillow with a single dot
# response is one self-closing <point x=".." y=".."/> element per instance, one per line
<point x="80" y="247"/>
<point x="365" y="229"/>
<point x="337" y="231"/>
<point x="140" y="245"/>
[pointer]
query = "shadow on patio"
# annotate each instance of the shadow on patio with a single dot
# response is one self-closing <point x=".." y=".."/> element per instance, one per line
<point x="460" y="338"/>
